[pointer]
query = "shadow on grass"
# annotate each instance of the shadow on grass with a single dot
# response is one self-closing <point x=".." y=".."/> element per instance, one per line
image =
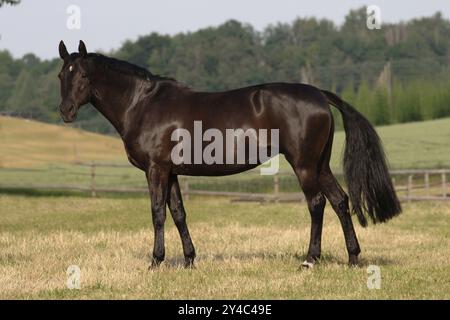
<point x="378" y="261"/>
<point x="327" y="259"/>
<point x="178" y="261"/>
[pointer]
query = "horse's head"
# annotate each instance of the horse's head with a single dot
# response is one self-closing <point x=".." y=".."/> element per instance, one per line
<point x="74" y="78"/>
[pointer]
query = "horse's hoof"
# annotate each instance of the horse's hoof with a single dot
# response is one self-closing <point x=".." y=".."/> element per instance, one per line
<point x="154" y="265"/>
<point x="353" y="261"/>
<point x="189" y="262"/>
<point x="307" y="265"/>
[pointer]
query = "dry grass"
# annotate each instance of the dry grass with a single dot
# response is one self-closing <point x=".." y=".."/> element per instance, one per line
<point x="244" y="251"/>
<point x="26" y="143"/>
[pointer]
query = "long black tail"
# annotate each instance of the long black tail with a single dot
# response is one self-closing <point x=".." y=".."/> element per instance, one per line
<point x="369" y="183"/>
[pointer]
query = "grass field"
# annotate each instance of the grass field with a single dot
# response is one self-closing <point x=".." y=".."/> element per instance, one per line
<point x="244" y="251"/>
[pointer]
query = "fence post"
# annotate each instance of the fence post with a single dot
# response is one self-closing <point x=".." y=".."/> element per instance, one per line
<point x="186" y="189"/>
<point x="427" y="183"/>
<point x="444" y="184"/>
<point x="276" y="187"/>
<point x="409" y="188"/>
<point x="93" y="187"/>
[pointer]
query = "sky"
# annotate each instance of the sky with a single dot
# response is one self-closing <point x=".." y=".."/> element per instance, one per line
<point x="38" y="26"/>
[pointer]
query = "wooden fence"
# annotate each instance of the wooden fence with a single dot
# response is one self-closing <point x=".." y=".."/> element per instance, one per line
<point x="411" y="185"/>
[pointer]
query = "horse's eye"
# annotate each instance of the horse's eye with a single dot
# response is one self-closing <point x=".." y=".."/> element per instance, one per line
<point x="84" y="75"/>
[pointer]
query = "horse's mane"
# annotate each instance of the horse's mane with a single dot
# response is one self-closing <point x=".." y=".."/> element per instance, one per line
<point x="127" y="68"/>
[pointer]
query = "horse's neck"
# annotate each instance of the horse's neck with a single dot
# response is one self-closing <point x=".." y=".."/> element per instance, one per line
<point x="112" y="98"/>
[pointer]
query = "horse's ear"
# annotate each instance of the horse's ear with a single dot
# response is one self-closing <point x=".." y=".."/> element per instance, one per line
<point x="63" y="50"/>
<point x="82" y="49"/>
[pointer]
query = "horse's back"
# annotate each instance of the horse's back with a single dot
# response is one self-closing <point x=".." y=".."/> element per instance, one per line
<point x="260" y="104"/>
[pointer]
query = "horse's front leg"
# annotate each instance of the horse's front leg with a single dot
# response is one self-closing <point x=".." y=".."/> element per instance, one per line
<point x="157" y="178"/>
<point x="175" y="202"/>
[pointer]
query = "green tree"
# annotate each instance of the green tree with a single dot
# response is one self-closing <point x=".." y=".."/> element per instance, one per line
<point x="11" y="2"/>
<point x="347" y="59"/>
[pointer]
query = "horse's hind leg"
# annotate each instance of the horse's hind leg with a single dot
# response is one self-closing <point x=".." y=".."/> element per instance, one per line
<point x="308" y="177"/>
<point x="339" y="201"/>
<point x="175" y="203"/>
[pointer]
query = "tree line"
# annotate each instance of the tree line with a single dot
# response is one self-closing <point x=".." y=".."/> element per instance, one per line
<point x="399" y="73"/>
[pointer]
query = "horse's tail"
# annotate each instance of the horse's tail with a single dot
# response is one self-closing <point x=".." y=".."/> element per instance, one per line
<point x="366" y="173"/>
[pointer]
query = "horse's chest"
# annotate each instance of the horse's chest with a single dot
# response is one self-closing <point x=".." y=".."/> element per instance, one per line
<point x="151" y="145"/>
<point x="136" y="155"/>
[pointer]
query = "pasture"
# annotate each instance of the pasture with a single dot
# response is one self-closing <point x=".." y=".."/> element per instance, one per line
<point x="245" y="250"/>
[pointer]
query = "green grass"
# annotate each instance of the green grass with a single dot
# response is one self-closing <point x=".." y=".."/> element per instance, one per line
<point x="411" y="145"/>
<point x="245" y="250"/>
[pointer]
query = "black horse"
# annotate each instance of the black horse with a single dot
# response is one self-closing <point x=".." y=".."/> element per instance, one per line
<point x="146" y="109"/>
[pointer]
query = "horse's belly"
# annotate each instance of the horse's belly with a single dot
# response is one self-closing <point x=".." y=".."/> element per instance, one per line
<point x="211" y="170"/>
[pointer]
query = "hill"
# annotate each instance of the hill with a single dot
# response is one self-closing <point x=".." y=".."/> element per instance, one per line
<point x="423" y="144"/>
<point x="25" y="144"/>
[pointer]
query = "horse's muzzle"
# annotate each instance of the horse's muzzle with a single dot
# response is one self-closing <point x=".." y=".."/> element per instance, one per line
<point x="68" y="112"/>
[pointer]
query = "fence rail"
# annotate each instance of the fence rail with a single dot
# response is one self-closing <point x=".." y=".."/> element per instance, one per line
<point x="411" y="184"/>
